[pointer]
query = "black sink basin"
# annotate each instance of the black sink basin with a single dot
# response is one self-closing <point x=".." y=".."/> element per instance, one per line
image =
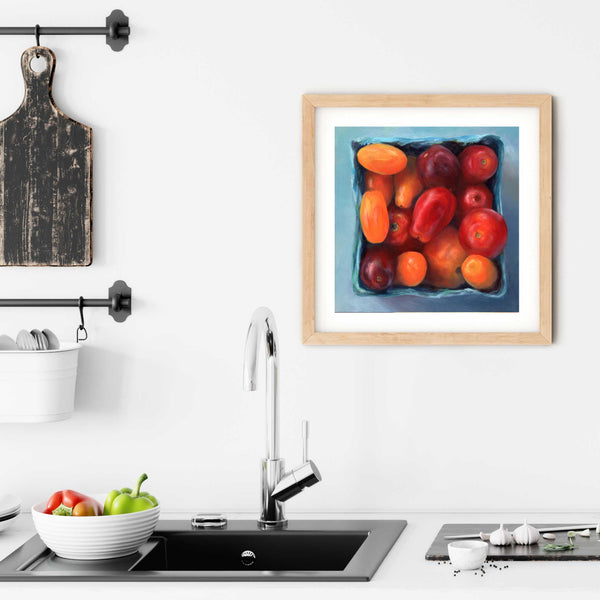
<point x="255" y="551"/>
<point x="305" y="550"/>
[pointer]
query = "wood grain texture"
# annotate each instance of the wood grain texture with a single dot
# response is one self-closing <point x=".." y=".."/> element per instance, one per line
<point x="308" y="219"/>
<point x="546" y="218"/>
<point x="45" y="178"/>
<point x="419" y="100"/>
<point x="543" y="102"/>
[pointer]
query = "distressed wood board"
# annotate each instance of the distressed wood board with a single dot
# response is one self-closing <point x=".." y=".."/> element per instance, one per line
<point x="45" y="178"/>
<point x="585" y="548"/>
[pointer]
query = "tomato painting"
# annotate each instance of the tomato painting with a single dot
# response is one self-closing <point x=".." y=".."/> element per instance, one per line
<point x="427" y="228"/>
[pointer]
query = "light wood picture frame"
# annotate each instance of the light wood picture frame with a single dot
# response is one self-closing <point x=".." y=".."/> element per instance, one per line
<point x="330" y="123"/>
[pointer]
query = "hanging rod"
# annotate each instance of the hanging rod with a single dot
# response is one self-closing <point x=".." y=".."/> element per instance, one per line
<point x="117" y="30"/>
<point x="118" y="301"/>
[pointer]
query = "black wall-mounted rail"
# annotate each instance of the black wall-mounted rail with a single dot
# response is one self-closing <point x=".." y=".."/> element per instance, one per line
<point x="118" y="301"/>
<point x="117" y="30"/>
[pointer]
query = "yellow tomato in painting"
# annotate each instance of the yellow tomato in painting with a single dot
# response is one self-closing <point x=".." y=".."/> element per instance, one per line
<point x="407" y="185"/>
<point x="382" y="158"/>
<point x="374" y="218"/>
<point x="381" y="183"/>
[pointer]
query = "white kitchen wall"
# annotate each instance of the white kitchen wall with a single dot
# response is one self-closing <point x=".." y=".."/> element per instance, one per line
<point x="197" y="205"/>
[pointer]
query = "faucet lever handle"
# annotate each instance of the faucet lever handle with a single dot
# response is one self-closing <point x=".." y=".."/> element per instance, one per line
<point x="301" y="477"/>
<point x="304" y="441"/>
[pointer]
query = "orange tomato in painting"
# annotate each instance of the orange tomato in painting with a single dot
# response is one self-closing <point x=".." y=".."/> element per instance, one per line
<point x="407" y="184"/>
<point x="411" y="269"/>
<point x="381" y="183"/>
<point x="480" y="272"/>
<point x="382" y="158"/>
<point x="374" y="218"/>
<point x="445" y="256"/>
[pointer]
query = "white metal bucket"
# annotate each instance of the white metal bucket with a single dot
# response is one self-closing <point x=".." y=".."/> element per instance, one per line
<point x="38" y="386"/>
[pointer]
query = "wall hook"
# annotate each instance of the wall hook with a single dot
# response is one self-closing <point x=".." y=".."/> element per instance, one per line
<point x="81" y="330"/>
<point x="37" y="40"/>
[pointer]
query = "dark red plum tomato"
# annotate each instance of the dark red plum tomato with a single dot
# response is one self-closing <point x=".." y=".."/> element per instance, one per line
<point x="438" y="167"/>
<point x="377" y="269"/>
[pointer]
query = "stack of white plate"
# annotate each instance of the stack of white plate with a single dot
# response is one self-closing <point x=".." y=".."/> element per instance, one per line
<point x="94" y="538"/>
<point x="10" y="508"/>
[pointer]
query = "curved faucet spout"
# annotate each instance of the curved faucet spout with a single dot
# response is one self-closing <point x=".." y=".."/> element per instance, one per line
<point x="263" y="330"/>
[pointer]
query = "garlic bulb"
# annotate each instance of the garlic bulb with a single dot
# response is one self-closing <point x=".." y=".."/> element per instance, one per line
<point x="501" y="537"/>
<point x="585" y="533"/>
<point x="526" y="534"/>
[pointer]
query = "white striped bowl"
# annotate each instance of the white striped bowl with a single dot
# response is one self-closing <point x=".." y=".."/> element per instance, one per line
<point x="94" y="538"/>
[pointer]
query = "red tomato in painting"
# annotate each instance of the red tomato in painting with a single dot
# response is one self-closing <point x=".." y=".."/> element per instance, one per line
<point x="473" y="196"/>
<point x="477" y="163"/>
<point x="433" y="211"/>
<point x="398" y="233"/>
<point x="483" y="231"/>
<point x="377" y="269"/>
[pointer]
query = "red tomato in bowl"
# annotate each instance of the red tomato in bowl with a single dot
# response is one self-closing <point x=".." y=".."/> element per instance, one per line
<point x="483" y="231"/>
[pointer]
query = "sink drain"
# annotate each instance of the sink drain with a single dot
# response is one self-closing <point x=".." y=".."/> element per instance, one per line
<point x="248" y="557"/>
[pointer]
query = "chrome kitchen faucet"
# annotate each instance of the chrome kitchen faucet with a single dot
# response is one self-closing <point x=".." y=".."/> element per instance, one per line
<point x="277" y="485"/>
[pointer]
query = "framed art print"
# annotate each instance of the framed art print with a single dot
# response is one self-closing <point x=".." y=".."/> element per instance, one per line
<point x="427" y="219"/>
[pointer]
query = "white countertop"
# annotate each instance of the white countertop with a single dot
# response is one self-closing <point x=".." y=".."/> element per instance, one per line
<point x="404" y="573"/>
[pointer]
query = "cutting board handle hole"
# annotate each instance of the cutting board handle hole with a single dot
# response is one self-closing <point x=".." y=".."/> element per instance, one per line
<point x="38" y="64"/>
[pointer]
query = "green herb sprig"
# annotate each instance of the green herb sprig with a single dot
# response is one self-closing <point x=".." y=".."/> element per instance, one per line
<point x="561" y="547"/>
<point x="558" y="547"/>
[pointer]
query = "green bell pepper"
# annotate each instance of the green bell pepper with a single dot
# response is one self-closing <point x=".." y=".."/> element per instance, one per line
<point x="126" y="500"/>
<point x="128" y="490"/>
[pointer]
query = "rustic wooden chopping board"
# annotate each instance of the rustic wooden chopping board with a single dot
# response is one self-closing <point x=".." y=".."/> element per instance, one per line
<point x="45" y="178"/>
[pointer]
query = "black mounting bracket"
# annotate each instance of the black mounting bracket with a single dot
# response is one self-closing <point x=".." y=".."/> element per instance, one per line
<point x="117" y="24"/>
<point x="119" y="295"/>
<point x="117" y="30"/>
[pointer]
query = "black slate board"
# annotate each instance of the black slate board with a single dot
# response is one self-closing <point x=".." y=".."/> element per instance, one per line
<point x="45" y="178"/>
<point x="585" y="548"/>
